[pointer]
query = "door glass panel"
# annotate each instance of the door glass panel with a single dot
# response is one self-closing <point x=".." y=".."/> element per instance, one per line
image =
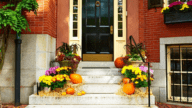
<point x="91" y="12"/>
<point x="120" y="33"/>
<point x="175" y="65"/>
<point x="75" y="8"/>
<point x="119" y="17"/>
<point x="74" y="17"/>
<point x="175" y="53"/>
<point x="186" y="65"/>
<point x="74" y="25"/>
<point x="184" y="78"/>
<point x="176" y="78"/>
<point x="119" y="25"/>
<point x="75" y="2"/>
<point x="104" y="12"/>
<point x="74" y="33"/>
<point x="120" y="10"/>
<point x="120" y="2"/>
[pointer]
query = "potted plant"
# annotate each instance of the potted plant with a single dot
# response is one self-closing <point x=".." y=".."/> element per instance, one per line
<point x="138" y="75"/>
<point x="58" y="82"/>
<point x="134" y="56"/>
<point x="45" y="81"/>
<point x="65" y="57"/>
<point x="177" y="12"/>
<point x="64" y="70"/>
<point x="51" y="71"/>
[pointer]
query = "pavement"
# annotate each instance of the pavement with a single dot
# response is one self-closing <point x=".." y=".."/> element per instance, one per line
<point x="160" y="105"/>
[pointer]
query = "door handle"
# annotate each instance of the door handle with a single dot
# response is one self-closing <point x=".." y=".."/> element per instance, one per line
<point x="111" y="29"/>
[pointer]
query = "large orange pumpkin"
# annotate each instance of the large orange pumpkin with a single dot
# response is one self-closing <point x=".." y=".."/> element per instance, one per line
<point x="70" y="91"/>
<point x="129" y="88"/>
<point x="119" y="62"/>
<point x="75" y="78"/>
<point x="126" y="80"/>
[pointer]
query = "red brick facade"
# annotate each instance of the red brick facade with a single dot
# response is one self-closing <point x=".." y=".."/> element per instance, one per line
<point x="152" y="28"/>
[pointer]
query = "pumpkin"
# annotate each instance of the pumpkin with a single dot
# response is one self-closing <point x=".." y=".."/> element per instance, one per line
<point x="129" y="88"/>
<point x="126" y="80"/>
<point x="119" y="62"/>
<point x="75" y="78"/>
<point x="70" y="91"/>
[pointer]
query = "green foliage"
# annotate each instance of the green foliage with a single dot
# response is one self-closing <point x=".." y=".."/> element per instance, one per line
<point x="13" y="18"/>
<point x="65" y="49"/>
<point x="134" y="57"/>
<point x="58" y="84"/>
<point x="42" y="84"/>
<point x="67" y="72"/>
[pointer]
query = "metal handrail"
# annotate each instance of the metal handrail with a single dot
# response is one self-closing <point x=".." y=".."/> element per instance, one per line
<point x="131" y="38"/>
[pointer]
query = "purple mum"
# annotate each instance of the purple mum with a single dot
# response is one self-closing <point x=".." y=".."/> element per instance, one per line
<point x="51" y="70"/>
<point x="175" y="3"/>
<point x="189" y="3"/>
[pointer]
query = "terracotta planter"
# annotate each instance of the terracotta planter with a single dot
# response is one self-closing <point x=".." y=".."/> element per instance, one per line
<point x="58" y="89"/>
<point x="47" y="89"/>
<point x="135" y="63"/>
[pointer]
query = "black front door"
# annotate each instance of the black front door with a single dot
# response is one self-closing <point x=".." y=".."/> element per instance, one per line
<point x="97" y="17"/>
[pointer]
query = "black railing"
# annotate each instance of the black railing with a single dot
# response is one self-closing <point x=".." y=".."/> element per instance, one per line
<point x="132" y="39"/>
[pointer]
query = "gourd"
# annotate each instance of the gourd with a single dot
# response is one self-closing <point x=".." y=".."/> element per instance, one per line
<point x="70" y="91"/>
<point x="75" y="78"/>
<point x="119" y="62"/>
<point x="126" y="80"/>
<point x="129" y="88"/>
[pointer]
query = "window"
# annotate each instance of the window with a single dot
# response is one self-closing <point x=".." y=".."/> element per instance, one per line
<point x="155" y="3"/>
<point x="179" y="71"/>
<point x="120" y="17"/>
<point x="75" y="17"/>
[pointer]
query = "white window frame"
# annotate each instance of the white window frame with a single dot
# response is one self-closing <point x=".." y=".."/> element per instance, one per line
<point x="176" y="98"/>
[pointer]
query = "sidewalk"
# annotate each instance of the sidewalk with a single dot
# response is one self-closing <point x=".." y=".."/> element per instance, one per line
<point x="160" y="105"/>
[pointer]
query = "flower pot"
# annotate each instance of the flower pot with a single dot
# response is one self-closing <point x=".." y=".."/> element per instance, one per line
<point x="47" y="89"/>
<point x="58" y="89"/>
<point x="143" y="89"/>
<point x="135" y="63"/>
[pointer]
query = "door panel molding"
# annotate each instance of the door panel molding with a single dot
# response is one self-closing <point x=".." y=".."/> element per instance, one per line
<point x="118" y="42"/>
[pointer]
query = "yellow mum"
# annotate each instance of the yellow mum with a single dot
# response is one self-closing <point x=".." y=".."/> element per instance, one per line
<point x="184" y="6"/>
<point x="136" y="82"/>
<point x="165" y="8"/>
<point x="124" y="69"/>
<point x="132" y="79"/>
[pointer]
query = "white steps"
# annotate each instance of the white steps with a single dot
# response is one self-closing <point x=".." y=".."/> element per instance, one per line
<point x="90" y="99"/>
<point x="100" y="87"/>
<point x="90" y="106"/>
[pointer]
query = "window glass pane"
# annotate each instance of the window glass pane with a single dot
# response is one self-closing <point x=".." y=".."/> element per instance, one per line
<point x="184" y="78"/>
<point x="120" y="33"/>
<point x="176" y="90"/>
<point x="74" y="33"/>
<point x="186" y="53"/>
<point x="119" y="25"/>
<point x="175" y="53"/>
<point x="120" y="17"/>
<point x="74" y="17"/>
<point x="120" y="10"/>
<point x="175" y="78"/>
<point x="75" y="2"/>
<point x="74" y="25"/>
<point x="75" y="8"/>
<point x="185" y="91"/>
<point x="120" y="2"/>
<point x="186" y="65"/>
<point x="175" y="65"/>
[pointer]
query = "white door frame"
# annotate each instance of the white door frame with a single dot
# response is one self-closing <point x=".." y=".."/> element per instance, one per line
<point x="118" y="42"/>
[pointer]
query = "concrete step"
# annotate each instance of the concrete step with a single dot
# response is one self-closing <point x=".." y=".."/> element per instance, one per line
<point x="96" y="64"/>
<point x="91" y="106"/>
<point x="102" y="79"/>
<point x="99" y="72"/>
<point x="90" y="99"/>
<point x="100" y="88"/>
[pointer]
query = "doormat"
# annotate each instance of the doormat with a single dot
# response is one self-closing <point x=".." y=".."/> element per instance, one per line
<point x="95" y="67"/>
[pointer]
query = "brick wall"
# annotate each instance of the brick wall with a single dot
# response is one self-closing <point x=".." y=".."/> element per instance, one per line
<point x="152" y="28"/>
<point x="45" y="22"/>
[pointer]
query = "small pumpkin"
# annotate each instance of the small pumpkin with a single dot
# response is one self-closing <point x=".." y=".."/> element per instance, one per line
<point x="70" y="91"/>
<point x="119" y="62"/>
<point x="83" y="92"/>
<point x="129" y="88"/>
<point x="75" y="78"/>
<point x="126" y="80"/>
